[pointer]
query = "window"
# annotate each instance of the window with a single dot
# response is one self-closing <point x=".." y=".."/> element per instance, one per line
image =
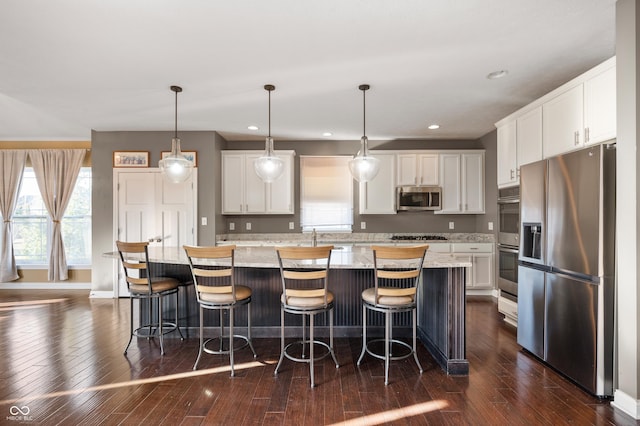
<point x="326" y="194"/>
<point x="31" y="223"/>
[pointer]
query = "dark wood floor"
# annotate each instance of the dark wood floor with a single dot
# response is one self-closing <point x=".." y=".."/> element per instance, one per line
<point x="61" y="360"/>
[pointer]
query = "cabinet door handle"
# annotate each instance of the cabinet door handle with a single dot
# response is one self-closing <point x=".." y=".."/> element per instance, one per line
<point x="586" y="135"/>
<point x="517" y="173"/>
<point x="576" y="138"/>
<point x="511" y="174"/>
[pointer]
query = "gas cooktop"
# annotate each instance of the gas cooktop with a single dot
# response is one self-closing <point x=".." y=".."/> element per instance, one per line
<point x="418" y="238"/>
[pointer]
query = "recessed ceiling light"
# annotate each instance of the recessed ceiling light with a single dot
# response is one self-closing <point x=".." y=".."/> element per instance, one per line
<point x="252" y="127"/>
<point x="497" y="74"/>
<point x="327" y="134"/>
<point x="433" y="126"/>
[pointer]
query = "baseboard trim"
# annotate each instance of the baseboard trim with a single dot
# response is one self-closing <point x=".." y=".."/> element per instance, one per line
<point x="54" y="285"/>
<point x="475" y="292"/>
<point x="626" y="403"/>
<point x="101" y="294"/>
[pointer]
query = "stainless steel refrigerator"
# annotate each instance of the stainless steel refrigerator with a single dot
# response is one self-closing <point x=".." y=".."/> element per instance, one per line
<point x="566" y="272"/>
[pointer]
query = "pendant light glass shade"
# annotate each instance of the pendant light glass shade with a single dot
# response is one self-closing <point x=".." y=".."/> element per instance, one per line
<point x="175" y="167"/>
<point x="269" y="167"/>
<point x="363" y="166"/>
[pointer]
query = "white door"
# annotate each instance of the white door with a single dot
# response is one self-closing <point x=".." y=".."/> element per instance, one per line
<point x="147" y="208"/>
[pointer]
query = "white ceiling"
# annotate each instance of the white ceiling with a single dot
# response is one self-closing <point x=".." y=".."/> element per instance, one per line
<point x="69" y="66"/>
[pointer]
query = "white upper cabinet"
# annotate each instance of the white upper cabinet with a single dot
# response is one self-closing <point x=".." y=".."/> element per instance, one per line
<point x="473" y="182"/>
<point x="579" y="113"/>
<point x="462" y="181"/>
<point x="378" y="195"/>
<point x="243" y="192"/>
<point x="519" y="143"/>
<point x="562" y="122"/>
<point x="415" y="169"/>
<point x="507" y="155"/>
<point x="584" y="113"/>
<point x="600" y="107"/>
<point x="279" y="195"/>
<point x="529" y="138"/>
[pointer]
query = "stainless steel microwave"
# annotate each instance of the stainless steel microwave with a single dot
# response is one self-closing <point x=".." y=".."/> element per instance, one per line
<point x="418" y="198"/>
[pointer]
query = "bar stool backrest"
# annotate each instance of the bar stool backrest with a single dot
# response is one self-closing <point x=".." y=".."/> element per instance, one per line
<point x="397" y="270"/>
<point x="304" y="271"/>
<point x="212" y="269"/>
<point x="135" y="260"/>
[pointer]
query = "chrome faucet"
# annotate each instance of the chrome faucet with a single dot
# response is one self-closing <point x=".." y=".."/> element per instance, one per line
<point x="314" y="238"/>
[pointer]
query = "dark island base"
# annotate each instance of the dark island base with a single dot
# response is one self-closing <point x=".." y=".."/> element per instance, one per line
<point x="441" y="309"/>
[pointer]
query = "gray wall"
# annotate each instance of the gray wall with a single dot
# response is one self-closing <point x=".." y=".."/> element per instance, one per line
<point x="207" y="145"/>
<point x="402" y="222"/>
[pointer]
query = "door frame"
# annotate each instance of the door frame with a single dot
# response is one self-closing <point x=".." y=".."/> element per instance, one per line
<point x="116" y="207"/>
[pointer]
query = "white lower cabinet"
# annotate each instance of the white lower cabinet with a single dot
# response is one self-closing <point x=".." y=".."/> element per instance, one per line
<point x="480" y="276"/>
<point x="243" y="192"/>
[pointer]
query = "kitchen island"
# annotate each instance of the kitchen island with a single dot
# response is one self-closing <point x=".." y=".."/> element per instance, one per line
<point x="441" y="297"/>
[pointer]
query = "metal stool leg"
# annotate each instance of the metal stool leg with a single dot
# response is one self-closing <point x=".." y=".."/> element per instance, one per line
<point x="333" y="353"/>
<point x="304" y="329"/>
<point x="201" y="338"/>
<point x="231" y="315"/>
<point x="310" y="347"/>
<point x="415" y="354"/>
<point x="160" y="324"/>
<point x="364" y="334"/>
<point x="178" y="317"/>
<point x="130" y="324"/>
<point x="255" y="355"/>
<point x="281" y="341"/>
<point x="387" y="343"/>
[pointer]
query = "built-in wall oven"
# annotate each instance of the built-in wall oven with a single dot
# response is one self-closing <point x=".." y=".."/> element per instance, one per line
<point x="508" y="246"/>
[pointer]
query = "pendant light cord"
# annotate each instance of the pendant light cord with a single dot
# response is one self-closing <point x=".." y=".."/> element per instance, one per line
<point x="269" y="91"/>
<point x="176" y="90"/>
<point x="364" y="113"/>
<point x="175" y="131"/>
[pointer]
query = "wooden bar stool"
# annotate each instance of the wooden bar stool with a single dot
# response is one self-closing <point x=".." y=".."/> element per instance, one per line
<point x="304" y="272"/>
<point x="142" y="286"/>
<point x="213" y="270"/>
<point x="397" y="272"/>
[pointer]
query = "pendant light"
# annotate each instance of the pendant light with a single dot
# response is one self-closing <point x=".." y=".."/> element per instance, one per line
<point x="269" y="167"/>
<point x="176" y="168"/>
<point x="363" y="166"/>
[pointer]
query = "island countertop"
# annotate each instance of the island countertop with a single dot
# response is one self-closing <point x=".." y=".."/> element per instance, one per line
<point x="346" y="257"/>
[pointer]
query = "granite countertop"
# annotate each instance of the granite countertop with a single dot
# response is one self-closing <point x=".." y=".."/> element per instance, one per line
<point x="344" y="238"/>
<point x="346" y="257"/>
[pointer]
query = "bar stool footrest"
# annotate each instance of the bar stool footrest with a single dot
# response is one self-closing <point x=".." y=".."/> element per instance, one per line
<point x="151" y="330"/>
<point x="392" y="342"/>
<point x="225" y="340"/>
<point x="328" y="352"/>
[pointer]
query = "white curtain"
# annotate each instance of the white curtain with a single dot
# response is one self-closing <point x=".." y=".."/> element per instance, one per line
<point x="56" y="173"/>
<point x="12" y="161"/>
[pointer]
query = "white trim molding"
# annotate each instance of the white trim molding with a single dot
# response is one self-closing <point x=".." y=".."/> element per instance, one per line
<point x="96" y="294"/>
<point x="626" y="403"/>
<point x="54" y="285"/>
